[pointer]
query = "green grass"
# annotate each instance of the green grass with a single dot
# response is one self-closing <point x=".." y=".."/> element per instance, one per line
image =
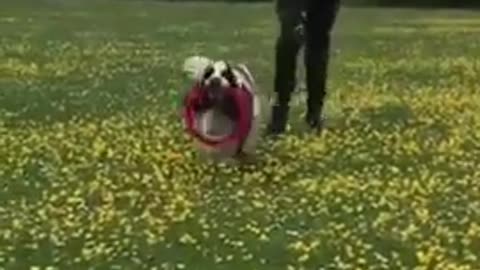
<point x="96" y="173"/>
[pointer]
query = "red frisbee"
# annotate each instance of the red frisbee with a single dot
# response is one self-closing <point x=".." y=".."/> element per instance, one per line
<point x="195" y="102"/>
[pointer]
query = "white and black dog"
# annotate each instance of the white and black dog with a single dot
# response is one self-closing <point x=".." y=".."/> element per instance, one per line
<point x="214" y="77"/>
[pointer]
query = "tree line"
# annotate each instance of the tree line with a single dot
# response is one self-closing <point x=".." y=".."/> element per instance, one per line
<point x="385" y="3"/>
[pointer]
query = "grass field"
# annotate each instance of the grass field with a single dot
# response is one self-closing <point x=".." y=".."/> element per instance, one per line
<point x="95" y="172"/>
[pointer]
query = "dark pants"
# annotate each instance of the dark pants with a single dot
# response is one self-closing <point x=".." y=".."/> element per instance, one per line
<point x="320" y="18"/>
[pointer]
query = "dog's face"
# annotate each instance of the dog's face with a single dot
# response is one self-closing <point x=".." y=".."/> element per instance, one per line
<point x="216" y="78"/>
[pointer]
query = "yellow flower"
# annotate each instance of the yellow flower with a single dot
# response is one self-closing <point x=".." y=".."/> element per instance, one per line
<point x="187" y="239"/>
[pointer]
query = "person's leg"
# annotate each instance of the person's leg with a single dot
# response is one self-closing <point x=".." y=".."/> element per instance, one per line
<point x="286" y="51"/>
<point x="321" y="17"/>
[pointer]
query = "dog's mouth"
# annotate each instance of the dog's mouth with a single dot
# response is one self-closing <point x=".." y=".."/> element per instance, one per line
<point x="215" y="94"/>
<point x="228" y="106"/>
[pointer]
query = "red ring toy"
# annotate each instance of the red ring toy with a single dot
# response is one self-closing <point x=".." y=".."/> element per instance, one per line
<point x="244" y="102"/>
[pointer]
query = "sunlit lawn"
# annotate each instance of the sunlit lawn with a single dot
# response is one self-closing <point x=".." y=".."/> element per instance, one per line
<point x="95" y="172"/>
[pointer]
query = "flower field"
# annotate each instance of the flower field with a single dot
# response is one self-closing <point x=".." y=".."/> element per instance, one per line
<point x="96" y="173"/>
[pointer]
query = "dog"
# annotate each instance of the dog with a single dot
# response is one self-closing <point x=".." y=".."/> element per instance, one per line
<point x="218" y="119"/>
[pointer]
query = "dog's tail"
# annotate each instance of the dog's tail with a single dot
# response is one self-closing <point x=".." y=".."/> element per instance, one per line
<point x="194" y="66"/>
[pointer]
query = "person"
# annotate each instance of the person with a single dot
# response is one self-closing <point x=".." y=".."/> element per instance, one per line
<point x="316" y="18"/>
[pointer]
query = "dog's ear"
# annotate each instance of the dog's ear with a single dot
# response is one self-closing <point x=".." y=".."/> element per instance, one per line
<point x="206" y="73"/>
<point x="244" y="69"/>
<point x="195" y="66"/>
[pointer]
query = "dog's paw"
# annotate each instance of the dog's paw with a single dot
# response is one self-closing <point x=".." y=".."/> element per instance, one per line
<point x="245" y="158"/>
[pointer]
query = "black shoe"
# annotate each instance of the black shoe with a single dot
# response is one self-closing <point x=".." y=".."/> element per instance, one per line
<point x="315" y="122"/>
<point x="278" y="121"/>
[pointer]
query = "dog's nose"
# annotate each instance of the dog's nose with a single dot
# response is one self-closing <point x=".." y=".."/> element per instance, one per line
<point x="215" y="82"/>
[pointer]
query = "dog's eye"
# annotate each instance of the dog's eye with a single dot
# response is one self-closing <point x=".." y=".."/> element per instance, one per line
<point x="208" y="72"/>
<point x="228" y="74"/>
